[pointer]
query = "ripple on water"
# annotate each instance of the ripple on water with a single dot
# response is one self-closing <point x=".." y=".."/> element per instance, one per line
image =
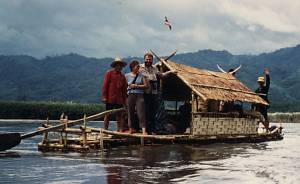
<point x="270" y="162"/>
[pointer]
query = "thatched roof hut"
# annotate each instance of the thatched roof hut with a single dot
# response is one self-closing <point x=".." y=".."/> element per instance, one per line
<point x="208" y="85"/>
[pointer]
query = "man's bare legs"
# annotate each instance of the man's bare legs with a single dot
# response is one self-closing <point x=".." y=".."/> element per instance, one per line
<point x="106" y="122"/>
<point x="120" y="122"/>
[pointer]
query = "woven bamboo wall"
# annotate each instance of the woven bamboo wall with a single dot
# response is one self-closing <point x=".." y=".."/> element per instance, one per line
<point x="223" y="126"/>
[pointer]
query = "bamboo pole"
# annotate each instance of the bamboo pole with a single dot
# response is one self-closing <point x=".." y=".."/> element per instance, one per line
<point x="193" y="111"/>
<point x="101" y="139"/>
<point x="45" y="137"/>
<point x="71" y="123"/>
<point x="84" y="134"/>
<point x="159" y="137"/>
<point x="65" y="133"/>
<point x="61" y="121"/>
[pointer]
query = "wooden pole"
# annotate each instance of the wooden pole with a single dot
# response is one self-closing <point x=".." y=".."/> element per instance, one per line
<point x="66" y="134"/>
<point x="71" y="123"/>
<point x="84" y="134"/>
<point x="61" y="121"/>
<point x="192" y="113"/>
<point x="159" y="137"/>
<point x="45" y="138"/>
<point x="101" y="139"/>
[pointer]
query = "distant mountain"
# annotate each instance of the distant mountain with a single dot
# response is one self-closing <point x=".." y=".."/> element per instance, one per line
<point x="73" y="77"/>
<point x="284" y="65"/>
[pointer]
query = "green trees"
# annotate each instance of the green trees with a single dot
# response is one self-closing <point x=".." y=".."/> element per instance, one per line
<point x="76" y="78"/>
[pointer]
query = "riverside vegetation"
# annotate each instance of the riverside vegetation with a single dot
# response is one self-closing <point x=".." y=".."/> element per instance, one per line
<point x="53" y="110"/>
<point x="280" y="117"/>
<point x="43" y="110"/>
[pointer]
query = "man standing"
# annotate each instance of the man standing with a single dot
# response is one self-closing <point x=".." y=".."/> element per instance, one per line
<point x="263" y="91"/>
<point x="114" y="92"/>
<point x="152" y="74"/>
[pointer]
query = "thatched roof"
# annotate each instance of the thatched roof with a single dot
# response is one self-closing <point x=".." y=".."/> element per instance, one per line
<point x="211" y="85"/>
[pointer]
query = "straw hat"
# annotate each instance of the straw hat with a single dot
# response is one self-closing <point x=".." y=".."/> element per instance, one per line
<point x="116" y="61"/>
<point x="260" y="79"/>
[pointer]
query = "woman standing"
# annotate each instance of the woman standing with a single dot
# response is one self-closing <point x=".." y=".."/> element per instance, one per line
<point x="136" y="86"/>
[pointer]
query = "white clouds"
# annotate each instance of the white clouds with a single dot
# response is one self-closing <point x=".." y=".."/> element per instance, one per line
<point x="129" y="27"/>
<point x="272" y="15"/>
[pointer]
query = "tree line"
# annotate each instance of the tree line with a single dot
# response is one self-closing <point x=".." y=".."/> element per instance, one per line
<point x="44" y="110"/>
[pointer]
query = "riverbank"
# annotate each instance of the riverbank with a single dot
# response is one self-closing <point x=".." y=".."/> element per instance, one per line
<point x="44" y="110"/>
<point x="283" y="117"/>
<point x="277" y="117"/>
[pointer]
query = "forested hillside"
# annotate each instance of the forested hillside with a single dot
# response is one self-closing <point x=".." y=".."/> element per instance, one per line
<point x="77" y="78"/>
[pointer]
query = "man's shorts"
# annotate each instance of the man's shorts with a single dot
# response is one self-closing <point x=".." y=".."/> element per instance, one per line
<point x="110" y="106"/>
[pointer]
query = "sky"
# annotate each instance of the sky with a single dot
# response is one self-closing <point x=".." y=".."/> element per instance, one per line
<point x="109" y="28"/>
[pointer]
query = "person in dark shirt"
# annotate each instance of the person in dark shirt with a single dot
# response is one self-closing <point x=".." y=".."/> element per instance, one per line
<point x="185" y="117"/>
<point x="262" y="91"/>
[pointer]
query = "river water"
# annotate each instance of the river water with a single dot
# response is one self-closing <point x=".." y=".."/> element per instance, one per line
<point x="269" y="162"/>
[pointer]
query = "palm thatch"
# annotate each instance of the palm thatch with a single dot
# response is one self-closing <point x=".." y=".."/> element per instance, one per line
<point x="210" y="85"/>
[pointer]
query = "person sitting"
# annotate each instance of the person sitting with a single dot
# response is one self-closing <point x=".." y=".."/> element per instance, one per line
<point x="136" y="86"/>
<point x="185" y="117"/>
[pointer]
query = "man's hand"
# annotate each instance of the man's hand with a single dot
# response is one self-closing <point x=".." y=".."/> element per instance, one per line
<point x="173" y="71"/>
<point x="266" y="71"/>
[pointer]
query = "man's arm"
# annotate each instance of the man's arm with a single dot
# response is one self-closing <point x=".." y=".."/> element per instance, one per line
<point x="267" y="73"/>
<point x="104" y="91"/>
<point x="124" y="90"/>
<point x="167" y="73"/>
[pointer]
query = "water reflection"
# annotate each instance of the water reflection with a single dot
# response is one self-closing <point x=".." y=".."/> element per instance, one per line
<point x="161" y="164"/>
<point x="9" y="154"/>
<point x="270" y="162"/>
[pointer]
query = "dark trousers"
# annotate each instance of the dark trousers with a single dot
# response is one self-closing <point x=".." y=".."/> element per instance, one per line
<point x="264" y="111"/>
<point x="151" y="105"/>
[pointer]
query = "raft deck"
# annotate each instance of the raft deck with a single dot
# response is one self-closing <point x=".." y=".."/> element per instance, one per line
<point x="92" y="139"/>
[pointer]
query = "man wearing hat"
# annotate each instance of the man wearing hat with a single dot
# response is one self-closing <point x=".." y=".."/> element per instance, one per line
<point x="114" y="91"/>
<point x="263" y="91"/>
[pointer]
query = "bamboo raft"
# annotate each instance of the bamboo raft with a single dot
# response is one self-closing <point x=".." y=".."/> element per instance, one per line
<point x="202" y="91"/>
<point x="88" y="139"/>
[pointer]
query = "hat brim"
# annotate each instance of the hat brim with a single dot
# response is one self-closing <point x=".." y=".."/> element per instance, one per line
<point x="114" y="63"/>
